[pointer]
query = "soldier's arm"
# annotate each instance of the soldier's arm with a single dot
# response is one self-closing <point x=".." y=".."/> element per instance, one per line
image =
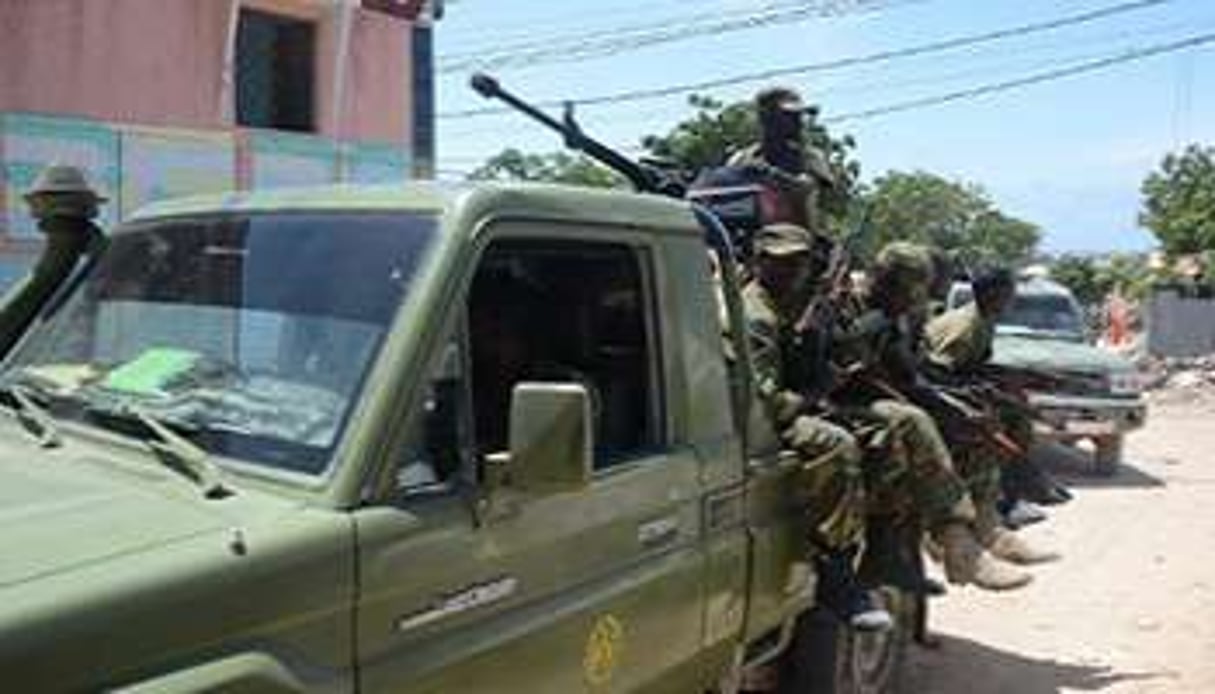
<point x="781" y="404"/>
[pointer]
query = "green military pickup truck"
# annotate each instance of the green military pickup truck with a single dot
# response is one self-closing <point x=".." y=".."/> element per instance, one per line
<point x="415" y="439"/>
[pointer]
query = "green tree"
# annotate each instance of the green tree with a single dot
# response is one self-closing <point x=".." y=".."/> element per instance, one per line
<point x="1079" y="274"/>
<point x="555" y="167"/>
<point x="1179" y="201"/>
<point x="957" y="217"/>
<point x="1092" y="279"/>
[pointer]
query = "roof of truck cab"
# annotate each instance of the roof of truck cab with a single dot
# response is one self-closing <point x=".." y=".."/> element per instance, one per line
<point x="532" y="200"/>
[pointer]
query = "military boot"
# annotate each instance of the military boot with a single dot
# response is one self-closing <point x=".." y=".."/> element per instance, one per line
<point x="966" y="562"/>
<point x="1011" y="547"/>
<point x="1004" y="543"/>
<point x="840" y="592"/>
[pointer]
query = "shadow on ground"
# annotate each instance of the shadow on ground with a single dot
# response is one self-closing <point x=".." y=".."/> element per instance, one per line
<point x="1075" y="468"/>
<point x="962" y="666"/>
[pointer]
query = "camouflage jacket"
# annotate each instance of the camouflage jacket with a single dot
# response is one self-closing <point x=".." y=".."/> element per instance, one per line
<point x="959" y="340"/>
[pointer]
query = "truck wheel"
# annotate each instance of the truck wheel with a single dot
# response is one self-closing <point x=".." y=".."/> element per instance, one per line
<point x="1108" y="455"/>
<point x="826" y="657"/>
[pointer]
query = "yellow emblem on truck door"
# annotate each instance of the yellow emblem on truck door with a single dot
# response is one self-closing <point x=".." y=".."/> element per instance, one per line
<point x="604" y="646"/>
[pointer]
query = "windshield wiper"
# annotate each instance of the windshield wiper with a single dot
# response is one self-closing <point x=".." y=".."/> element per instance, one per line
<point x="33" y="417"/>
<point x="175" y="451"/>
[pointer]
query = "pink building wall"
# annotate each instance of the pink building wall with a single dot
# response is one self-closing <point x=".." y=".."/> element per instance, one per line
<point x="161" y="62"/>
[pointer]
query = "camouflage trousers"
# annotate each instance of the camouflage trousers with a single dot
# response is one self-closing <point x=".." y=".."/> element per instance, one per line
<point x="910" y="474"/>
<point x="830" y="481"/>
<point x="981" y="460"/>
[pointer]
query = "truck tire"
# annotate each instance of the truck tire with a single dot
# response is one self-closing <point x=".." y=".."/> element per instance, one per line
<point x="1108" y="455"/>
<point x="825" y="657"/>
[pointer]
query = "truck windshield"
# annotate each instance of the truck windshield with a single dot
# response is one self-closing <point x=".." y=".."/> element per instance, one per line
<point x="252" y="333"/>
<point x="1043" y="312"/>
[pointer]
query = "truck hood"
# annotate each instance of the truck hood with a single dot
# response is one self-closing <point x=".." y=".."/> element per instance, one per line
<point x="60" y="511"/>
<point x="1056" y="355"/>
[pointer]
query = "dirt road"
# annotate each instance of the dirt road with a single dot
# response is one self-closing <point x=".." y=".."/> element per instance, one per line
<point x="1131" y="608"/>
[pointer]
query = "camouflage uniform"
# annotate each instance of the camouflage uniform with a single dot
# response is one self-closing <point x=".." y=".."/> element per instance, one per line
<point x="958" y="342"/>
<point x="831" y="457"/>
<point x="881" y="344"/>
<point x="919" y="475"/>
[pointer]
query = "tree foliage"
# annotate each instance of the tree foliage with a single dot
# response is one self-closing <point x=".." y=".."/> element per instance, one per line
<point x="1179" y="201"/>
<point x="555" y="167"/>
<point x="957" y="217"/>
<point x="1092" y="279"/>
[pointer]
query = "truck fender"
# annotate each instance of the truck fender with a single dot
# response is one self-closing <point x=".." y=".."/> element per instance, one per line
<point x="243" y="672"/>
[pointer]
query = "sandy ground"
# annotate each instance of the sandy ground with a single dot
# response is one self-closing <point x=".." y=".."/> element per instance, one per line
<point x="1131" y="608"/>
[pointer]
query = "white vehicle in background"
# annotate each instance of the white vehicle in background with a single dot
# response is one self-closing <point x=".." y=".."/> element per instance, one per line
<point x="1097" y="394"/>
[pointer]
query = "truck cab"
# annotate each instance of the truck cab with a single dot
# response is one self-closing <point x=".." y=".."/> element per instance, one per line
<point x="421" y="439"/>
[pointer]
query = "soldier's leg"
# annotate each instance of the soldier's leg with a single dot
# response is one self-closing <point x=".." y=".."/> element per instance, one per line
<point x="981" y="465"/>
<point x="831" y="480"/>
<point x="942" y="499"/>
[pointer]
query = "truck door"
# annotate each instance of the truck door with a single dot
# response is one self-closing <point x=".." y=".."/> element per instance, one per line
<point x="597" y="589"/>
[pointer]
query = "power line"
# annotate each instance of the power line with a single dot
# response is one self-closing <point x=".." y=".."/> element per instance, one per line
<point x="836" y="64"/>
<point x="601" y="46"/>
<point x="504" y="43"/>
<point x="1038" y="78"/>
<point x="1127" y="56"/>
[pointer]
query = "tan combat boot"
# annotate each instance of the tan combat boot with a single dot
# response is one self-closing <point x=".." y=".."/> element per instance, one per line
<point x="966" y="562"/>
<point x="1004" y="543"/>
<point x="1011" y="547"/>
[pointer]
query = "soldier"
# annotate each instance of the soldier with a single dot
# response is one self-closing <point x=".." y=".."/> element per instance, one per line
<point x="802" y="171"/>
<point x="64" y="207"/>
<point x="877" y="353"/>
<point x="959" y="342"/>
<point x="830" y="456"/>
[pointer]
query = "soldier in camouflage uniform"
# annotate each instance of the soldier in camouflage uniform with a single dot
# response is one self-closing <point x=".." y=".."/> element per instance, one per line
<point x="875" y="348"/>
<point x="959" y="343"/>
<point x="782" y="146"/>
<point x="830" y="456"/>
<point x="64" y="206"/>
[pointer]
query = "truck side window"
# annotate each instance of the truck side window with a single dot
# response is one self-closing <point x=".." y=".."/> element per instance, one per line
<point x="567" y="311"/>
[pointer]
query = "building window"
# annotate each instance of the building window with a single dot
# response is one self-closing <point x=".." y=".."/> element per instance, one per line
<point x="423" y="102"/>
<point x="275" y="72"/>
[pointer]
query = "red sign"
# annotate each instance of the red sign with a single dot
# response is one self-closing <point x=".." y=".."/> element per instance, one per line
<point x="405" y="9"/>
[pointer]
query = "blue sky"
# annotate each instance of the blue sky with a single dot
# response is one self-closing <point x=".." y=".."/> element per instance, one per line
<point x="1067" y="155"/>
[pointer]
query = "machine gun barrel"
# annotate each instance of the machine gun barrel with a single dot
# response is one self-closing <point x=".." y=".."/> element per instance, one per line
<point x="645" y="179"/>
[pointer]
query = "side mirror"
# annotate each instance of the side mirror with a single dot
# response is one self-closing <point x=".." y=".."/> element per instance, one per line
<point x="551" y="447"/>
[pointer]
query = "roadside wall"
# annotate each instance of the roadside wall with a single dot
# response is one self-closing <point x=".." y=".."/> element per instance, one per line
<point x="1178" y="326"/>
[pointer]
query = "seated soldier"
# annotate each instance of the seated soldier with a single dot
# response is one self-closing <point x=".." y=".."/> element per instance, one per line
<point x="875" y="350"/>
<point x="829" y="454"/>
<point x="959" y="343"/>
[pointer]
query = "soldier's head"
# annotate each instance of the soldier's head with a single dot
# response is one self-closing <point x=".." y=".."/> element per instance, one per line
<point x="781" y="113"/>
<point x="61" y="196"/>
<point x="785" y="259"/>
<point x="994" y="289"/>
<point x="901" y="275"/>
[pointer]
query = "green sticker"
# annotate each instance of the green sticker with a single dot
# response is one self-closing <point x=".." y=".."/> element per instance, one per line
<point x="152" y="371"/>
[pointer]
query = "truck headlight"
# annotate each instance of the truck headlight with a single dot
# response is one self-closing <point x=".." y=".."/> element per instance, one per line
<point x="1125" y="383"/>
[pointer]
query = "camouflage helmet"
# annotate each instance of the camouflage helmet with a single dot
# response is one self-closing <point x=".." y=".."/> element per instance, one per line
<point x="905" y="259"/>
<point x="62" y="190"/>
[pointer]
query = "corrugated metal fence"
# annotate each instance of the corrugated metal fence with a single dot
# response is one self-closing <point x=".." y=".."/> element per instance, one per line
<point x="1179" y="326"/>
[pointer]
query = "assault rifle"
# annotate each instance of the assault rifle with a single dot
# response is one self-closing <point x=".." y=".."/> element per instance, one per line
<point x="837" y="279"/>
